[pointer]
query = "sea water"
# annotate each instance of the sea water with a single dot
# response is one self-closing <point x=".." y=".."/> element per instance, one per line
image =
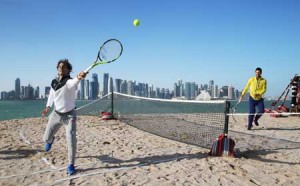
<point x="33" y="108"/>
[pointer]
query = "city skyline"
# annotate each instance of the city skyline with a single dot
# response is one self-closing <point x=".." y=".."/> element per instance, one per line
<point x="107" y="83"/>
<point x="194" y="40"/>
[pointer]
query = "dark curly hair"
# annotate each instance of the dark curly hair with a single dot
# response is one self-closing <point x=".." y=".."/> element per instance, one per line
<point x="65" y="62"/>
<point x="258" y="69"/>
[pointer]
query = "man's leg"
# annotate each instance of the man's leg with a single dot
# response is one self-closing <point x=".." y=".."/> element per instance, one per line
<point x="261" y="110"/>
<point x="72" y="142"/>
<point x="251" y="112"/>
<point x="53" y="126"/>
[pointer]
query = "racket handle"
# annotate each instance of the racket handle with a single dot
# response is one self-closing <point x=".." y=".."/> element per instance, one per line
<point x="88" y="69"/>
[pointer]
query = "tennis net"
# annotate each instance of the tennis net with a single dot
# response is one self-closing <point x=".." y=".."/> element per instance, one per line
<point x="193" y="122"/>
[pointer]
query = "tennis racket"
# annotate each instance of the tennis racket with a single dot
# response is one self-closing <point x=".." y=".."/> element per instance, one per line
<point x="109" y="52"/>
<point x="233" y="109"/>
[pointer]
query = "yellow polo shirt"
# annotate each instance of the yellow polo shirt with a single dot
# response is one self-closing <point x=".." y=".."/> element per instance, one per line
<point x="257" y="86"/>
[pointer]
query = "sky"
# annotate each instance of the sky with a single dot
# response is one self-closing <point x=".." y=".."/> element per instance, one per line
<point x="193" y="40"/>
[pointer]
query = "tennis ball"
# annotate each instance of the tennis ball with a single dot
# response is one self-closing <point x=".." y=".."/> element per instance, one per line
<point x="136" y="22"/>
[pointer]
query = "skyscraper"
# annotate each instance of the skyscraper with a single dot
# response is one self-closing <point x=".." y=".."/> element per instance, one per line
<point x="92" y="90"/>
<point x="129" y="87"/>
<point x="193" y="90"/>
<point x="176" y="90"/>
<point x="18" y="88"/>
<point x="211" y="87"/>
<point x="96" y="86"/>
<point x="224" y="92"/>
<point x="47" y="92"/>
<point x="111" y="84"/>
<point x="37" y="93"/>
<point x="123" y="87"/>
<point x="151" y="91"/>
<point x="87" y="89"/>
<point x="216" y="93"/>
<point x="118" y="85"/>
<point x="105" y="84"/>
<point x="29" y="92"/>
<point x="82" y="90"/>
<point x="190" y="90"/>
<point x="230" y="92"/>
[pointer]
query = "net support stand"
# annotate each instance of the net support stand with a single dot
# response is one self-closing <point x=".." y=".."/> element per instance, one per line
<point x="109" y="115"/>
<point x="227" y="109"/>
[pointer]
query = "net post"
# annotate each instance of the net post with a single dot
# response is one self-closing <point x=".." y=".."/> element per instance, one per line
<point x="227" y="109"/>
<point x="112" y="104"/>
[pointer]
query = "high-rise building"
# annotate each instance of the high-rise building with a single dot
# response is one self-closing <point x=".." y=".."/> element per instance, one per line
<point x="22" y="92"/>
<point x="47" y="91"/>
<point x="18" y="88"/>
<point x="181" y="88"/>
<point x="82" y="89"/>
<point x="211" y="87"/>
<point x="157" y="93"/>
<point x="118" y="84"/>
<point x="176" y="90"/>
<point x="141" y="90"/>
<point x="216" y="93"/>
<point x="124" y="87"/>
<point x="205" y="87"/>
<point x="187" y="91"/>
<point x="230" y="92"/>
<point x="111" y="84"/>
<point x="4" y="95"/>
<point x="92" y="90"/>
<point x="29" y="92"/>
<point x="167" y="94"/>
<point x="190" y="90"/>
<point x="87" y="89"/>
<point x="151" y="91"/>
<point x="146" y="90"/>
<point x="96" y="86"/>
<point x="129" y="87"/>
<point x="105" y="84"/>
<point x="236" y="94"/>
<point x="224" y="92"/>
<point x="193" y="90"/>
<point x="211" y="83"/>
<point x="37" y="93"/>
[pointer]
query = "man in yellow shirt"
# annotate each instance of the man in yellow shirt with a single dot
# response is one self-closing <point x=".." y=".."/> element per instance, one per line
<point x="258" y="87"/>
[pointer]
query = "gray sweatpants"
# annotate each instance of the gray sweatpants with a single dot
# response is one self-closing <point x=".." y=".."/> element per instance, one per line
<point x="55" y="121"/>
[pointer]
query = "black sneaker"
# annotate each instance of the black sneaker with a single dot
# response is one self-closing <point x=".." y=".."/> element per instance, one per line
<point x="256" y="123"/>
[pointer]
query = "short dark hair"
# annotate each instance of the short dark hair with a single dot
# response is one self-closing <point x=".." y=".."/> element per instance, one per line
<point x="259" y="69"/>
<point x="65" y="62"/>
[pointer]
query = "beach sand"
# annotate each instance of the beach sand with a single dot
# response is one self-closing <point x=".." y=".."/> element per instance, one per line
<point x="114" y="153"/>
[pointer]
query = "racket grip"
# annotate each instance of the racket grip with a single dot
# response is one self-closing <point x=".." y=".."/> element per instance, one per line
<point x="88" y="69"/>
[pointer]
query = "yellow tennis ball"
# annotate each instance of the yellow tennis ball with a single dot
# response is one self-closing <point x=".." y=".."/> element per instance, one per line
<point x="136" y="22"/>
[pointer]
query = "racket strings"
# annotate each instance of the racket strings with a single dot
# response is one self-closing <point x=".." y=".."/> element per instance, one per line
<point x="233" y="109"/>
<point x="110" y="51"/>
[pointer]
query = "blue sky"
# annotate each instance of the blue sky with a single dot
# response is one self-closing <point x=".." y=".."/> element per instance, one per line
<point x="192" y="40"/>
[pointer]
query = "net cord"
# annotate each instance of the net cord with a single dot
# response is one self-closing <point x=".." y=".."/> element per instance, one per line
<point x="169" y="100"/>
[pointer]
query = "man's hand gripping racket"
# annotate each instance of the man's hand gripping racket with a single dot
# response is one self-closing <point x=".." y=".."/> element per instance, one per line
<point x="109" y="52"/>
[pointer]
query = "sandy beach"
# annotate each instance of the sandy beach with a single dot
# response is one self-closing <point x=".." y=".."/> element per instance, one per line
<point x="114" y="153"/>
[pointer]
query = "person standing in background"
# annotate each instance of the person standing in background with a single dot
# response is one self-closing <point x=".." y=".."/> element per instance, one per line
<point x="258" y="87"/>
